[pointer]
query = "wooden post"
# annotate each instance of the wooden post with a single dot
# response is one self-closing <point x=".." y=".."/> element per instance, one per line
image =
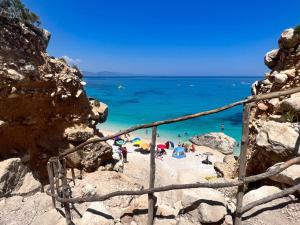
<point x="242" y="164"/>
<point x="65" y="189"/>
<point x="73" y="175"/>
<point x="51" y="181"/>
<point x="151" y="197"/>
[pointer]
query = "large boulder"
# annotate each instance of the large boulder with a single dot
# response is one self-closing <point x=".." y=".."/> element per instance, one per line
<point x="204" y="205"/>
<point x="95" y="154"/>
<point x="257" y="194"/>
<point x="271" y="58"/>
<point x="291" y="104"/>
<point x="215" y="140"/>
<point x="280" y="138"/>
<point x="16" y="178"/>
<point x="78" y="133"/>
<point x="97" y="214"/>
<point x="227" y="167"/>
<point x="99" y="111"/>
<point x="289" y="176"/>
<point x="289" y="38"/>
<point x="280" y="78"/>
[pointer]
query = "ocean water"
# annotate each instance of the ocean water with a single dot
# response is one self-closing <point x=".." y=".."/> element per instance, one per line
<point x="138" y="100"/>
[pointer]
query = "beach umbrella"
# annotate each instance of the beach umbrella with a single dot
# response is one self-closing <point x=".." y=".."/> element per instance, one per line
<point x="137" y="142"/>
<point x="161" y="146"/>
<point x="179" y="153"/>
<point x="117" y="138"/>
<point x="120" y="142"/>
<point x="144" y="145"/>
<point x="170" y="145"/>
<point x="135" y="139"/>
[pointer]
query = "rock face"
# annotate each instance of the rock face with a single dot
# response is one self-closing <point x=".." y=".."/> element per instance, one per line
<point x="218" y="141"/>
<point x="16" y="178"/>
<point x="259" y="193"/>
<point x="227" y="167"/>
<point x="43" y="105"/>
<point x="274" y="123"/>
<point x="204" y="205"/>
<point x="289" y="176"/>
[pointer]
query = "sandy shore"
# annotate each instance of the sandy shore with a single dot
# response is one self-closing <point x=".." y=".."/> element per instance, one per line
<point x="170" y="170"/>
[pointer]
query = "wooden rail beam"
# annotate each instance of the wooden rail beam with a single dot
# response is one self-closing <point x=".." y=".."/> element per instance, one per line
<point x="253" y="178"/>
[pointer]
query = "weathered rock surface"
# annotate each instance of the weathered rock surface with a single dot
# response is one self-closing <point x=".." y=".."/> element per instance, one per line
<point x="280" y="138"/>
<point x="271" y="58"/>
<point x="274" y="128"/>
<point x="227" y="167"/>
<point x="204" y="205"/>
<point x="259" y="193"/>
<point x="43" y="104"/>
<point x="218" y="141"/>
<point x="289" y="39"/>
<point x="291" y="104"/>
<point x="15" y="178"/>
<point x="289" y="176"/>
<point x="97" y="214"/>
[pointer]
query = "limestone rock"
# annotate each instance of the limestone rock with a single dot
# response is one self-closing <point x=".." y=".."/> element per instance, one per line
<point x="14" y="75"/>
<point x="15" y="178"/>
<point x="97" y="214"/>
<point x="227" y="167"/>
<point x="12" y="171"/>
<point x="262" y="106"/>
<point x="288" y="39"/>
<point x="289" y="72"/>
<point x="2" y="123"/>
<point x="289" y="176"/>
<point x="38" y="98"/>
<point x="271" y="58"/>
<point x="259" y="193"/>
<point x="280" y="138"/>
<point x="218" y="141"/>
<point x="292" y="103"/>
<point x="280" y="78"/>
<point x="78" y="133"/>
<point x="95" y="154"/>
<point x="204" y="205"/>
<point x="99" y="111"/>
<point x="29" y="185"/>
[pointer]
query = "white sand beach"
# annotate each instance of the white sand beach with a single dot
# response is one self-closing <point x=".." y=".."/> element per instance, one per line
<point x="169" y="169"/>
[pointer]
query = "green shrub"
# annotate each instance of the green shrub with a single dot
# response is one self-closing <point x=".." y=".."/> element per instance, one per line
<point x="15" y="9"/>
<point x="297" y="29"/>
<point x="291" y="116"/>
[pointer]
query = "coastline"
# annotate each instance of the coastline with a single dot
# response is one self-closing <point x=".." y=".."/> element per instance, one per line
<point x="146" y="138"/>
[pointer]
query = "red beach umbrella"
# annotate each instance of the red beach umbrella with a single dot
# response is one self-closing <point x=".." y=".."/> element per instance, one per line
<point x="161" y="146"/>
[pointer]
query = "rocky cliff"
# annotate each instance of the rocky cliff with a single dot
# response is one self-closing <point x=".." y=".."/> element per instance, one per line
<point x="274" y="124"/>
<point x="43" y="106"/>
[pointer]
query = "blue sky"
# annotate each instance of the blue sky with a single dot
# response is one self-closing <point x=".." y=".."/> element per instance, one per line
<point x="188" y="37"/>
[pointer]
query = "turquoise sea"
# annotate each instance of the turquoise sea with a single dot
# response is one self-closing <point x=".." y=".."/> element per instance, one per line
<point x="135" y="100"/>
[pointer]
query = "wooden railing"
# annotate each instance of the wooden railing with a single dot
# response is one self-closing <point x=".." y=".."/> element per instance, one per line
<point x="60" y="191"/>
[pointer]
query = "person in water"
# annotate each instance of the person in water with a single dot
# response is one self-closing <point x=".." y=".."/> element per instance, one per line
<point x="222" y="127"/>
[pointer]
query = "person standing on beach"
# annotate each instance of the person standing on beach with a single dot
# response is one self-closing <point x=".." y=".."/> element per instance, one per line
<point x="124" y="153"/>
